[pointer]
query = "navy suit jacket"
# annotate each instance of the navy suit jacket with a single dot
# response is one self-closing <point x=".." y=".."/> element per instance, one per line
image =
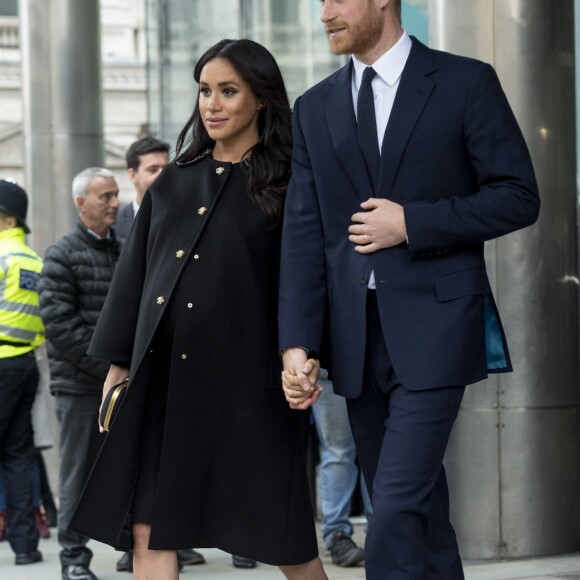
<point x="125" y="217"/>
<point x="454" y="157"/>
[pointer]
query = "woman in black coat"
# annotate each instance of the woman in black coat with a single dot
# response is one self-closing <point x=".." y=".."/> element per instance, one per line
<point x="204" y="450"/>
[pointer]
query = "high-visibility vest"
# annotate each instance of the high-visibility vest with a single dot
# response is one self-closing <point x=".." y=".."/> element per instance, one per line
<point x="21" y="328"/>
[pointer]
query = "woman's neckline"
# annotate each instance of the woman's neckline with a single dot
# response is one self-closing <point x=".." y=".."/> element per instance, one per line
<point x="245" y="161"/>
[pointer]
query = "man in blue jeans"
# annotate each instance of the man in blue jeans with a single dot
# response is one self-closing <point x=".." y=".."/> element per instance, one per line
<point x="339" y="474"/>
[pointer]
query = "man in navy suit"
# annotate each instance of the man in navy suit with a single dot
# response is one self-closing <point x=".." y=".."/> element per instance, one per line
<point x="400" y="174"/>
<point x="145" y="158"/>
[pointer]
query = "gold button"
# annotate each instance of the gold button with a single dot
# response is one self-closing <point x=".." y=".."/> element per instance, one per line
<point x="196" y="257"/>
<point x="202" y="210"/>
<point x="219" y="170"/>
<point x="183" y="356"/>
<point x="179" y="254"/>
<point x="189" y="305"/>
<point x="160" y="300"/>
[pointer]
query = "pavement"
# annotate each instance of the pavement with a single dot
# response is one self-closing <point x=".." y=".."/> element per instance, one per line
<point x="218" y="566"/>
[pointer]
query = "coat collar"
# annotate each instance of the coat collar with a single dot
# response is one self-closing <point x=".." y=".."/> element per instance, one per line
<point x="412" y="95"/>
<point x="93" y="240"/>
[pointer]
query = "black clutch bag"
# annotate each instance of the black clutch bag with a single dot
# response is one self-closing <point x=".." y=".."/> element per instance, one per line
<point x="111" y="404"/>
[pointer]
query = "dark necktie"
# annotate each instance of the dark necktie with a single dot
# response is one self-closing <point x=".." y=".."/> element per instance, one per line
<point x="367" y="126"/>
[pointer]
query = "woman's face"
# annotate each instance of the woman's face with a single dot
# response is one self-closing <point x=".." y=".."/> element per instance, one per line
<point x="228" y="107"/>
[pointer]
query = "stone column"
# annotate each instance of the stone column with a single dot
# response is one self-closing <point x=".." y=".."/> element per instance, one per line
<point x="514" y="458"/>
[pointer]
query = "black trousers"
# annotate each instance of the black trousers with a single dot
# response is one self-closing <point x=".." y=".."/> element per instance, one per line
<point x="401" y="435"/>
<point x="18" y="385"/>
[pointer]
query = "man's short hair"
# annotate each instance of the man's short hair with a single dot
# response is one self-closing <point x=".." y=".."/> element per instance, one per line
<point x="82" y="181"/>
<point x="142" y="147"/>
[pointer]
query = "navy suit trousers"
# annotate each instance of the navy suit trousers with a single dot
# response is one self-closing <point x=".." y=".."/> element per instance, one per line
<point x="401" y="435"/>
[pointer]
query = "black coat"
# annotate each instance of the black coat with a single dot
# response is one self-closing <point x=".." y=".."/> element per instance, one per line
<point x="78" y="269"/>
<point x="199" y="273"/>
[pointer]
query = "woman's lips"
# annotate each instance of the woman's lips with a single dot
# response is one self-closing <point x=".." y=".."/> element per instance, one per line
<point x="215" y="121"/>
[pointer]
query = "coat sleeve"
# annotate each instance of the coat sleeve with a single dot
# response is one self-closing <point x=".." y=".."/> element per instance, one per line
<point x="506" y="194"/>
<point x="65" y="326"/>
<point x="303" y="264"/>
<point x="114" y="334"/>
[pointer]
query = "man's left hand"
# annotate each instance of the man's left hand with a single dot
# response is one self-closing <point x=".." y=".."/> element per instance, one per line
<point x="382" y="225"/>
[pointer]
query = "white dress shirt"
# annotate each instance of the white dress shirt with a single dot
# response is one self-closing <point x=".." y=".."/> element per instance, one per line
<point x="389" y="68"/>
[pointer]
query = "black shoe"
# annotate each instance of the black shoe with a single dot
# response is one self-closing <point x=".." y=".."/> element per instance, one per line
<point x="189" y="557"/>
<point x="77" y="572"/>
<point x="344" y="551"/>
<point x="28" y="558"/>
<point x="241" y="562"/>
<point x="125" y="563"/>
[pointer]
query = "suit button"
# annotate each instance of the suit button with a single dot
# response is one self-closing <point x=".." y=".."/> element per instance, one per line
<point x="196" y="256"/>
<point x="183" y="356"/>
<point x="364" y="279"/>
<point x="160" y="300"/>
<point x="189" y="305"/>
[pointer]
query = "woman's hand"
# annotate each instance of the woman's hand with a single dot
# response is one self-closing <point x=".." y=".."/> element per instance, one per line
<point x="115" y="376"/>
<point x="295" y="394"/>
<point x="299" y="379"/>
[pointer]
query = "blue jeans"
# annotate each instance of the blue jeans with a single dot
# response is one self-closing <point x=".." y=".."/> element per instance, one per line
<point x="338" y="470"/>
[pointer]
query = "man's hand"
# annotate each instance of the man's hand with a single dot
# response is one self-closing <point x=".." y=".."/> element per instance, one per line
<point x="382" y="225"/>
<point x="299" y="379"/>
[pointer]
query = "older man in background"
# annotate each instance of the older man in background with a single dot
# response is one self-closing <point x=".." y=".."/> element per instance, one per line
<point x="77" y="272"/>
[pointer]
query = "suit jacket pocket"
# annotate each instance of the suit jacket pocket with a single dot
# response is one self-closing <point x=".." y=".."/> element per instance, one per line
<point x="463" y="283"/>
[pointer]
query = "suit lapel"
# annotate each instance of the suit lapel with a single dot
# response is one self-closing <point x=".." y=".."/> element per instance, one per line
<point x="341" y="121"/>
<point x="412" y="95"/>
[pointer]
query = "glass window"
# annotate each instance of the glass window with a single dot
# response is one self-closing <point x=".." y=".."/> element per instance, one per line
<point x="415" y="16"/>
<point x="292" y="31"/>
<point x="8" y="7"/>
<point x="179" y="31"/>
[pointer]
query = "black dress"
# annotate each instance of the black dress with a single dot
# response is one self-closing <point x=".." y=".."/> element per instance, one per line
<point x="221" y="459"/>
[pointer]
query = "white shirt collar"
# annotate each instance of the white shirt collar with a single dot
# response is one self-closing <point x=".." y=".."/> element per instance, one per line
<point x="389" y="67"/>
<point x="135" y="206"/>
<point x="94" y="234"/>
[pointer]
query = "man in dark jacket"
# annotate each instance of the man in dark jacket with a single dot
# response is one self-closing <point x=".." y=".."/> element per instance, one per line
<point x="77" y="272"/>
<point x="146" y="158"/>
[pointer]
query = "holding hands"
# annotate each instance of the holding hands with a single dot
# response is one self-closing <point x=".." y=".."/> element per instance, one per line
<point x="299" y="379"/>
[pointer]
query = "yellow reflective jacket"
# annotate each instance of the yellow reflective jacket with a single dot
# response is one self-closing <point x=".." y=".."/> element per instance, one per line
<point x="21" y="328"/>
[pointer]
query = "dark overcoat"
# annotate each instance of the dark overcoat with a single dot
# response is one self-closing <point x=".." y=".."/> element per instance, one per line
<point x="181" y="226"/>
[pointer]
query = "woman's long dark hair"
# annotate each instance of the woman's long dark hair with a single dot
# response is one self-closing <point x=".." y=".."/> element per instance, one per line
<point x="269" y="159"/>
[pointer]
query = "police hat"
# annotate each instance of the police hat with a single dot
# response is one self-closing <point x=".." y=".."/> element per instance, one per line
<point x="14" y="202"/>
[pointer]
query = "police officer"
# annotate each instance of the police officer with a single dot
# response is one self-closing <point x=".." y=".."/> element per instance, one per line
<point x="21" y="331"/>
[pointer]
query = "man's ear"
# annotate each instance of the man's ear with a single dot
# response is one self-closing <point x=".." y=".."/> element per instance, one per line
<point x="79" y="202"/>
<point x="132" y="173"/>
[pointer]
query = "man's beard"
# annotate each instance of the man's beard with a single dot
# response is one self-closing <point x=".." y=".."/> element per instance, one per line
<point x="360" y="36"/>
